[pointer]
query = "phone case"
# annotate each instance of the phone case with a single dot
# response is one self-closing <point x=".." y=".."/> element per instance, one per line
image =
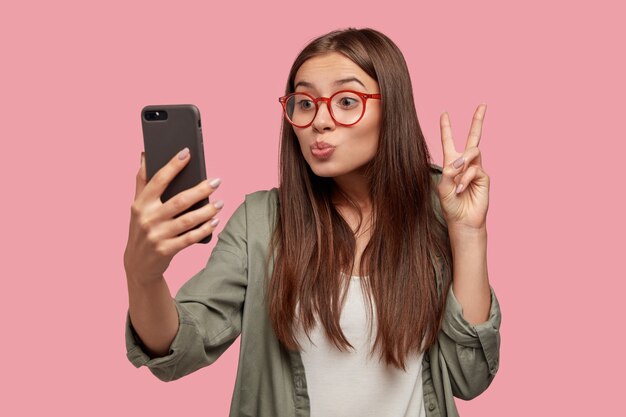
<point x="164" y="138"/>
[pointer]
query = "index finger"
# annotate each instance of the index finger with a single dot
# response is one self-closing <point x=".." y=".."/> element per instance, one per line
<point x="447" y="142"/>
<point x="473" y="139"/>
<point x="159" y="182"/>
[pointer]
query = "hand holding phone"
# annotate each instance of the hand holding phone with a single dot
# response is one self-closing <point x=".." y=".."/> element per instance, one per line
<point x="156" y="235"/>
<point x="167" y="129"/>
<point x="171" y="209"/>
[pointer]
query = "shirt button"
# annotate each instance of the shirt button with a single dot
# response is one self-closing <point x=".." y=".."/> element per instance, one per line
<point x="431" y="406"/>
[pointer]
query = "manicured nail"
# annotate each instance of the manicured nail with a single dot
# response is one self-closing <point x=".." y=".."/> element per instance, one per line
<point x="214" y="222"/>
<point x="459" y="188"/>
<point x="219" y="204"/>
<point x="215" y="182"/>
<point x="183" y="154"/>
<point x="459" y="162"/>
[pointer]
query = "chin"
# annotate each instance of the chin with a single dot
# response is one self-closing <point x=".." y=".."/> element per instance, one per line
<point x="324" y="172"/>
<point x="328" y="170"/>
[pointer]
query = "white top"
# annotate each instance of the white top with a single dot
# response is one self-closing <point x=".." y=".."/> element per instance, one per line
<point x="352" y="384"/>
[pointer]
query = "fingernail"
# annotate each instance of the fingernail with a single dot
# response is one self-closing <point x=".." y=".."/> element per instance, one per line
<point x="459" y="162"/>
<point x="215" y="182"/>
<point x="459" y="188"/>
<point x="214" y="222"/>
<point x="183" y="154"/>
<point x="219" y="204"/>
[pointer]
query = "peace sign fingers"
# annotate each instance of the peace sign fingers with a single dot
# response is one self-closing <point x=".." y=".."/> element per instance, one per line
<point x="455" y="164"/>
<point x="447" y="142"/>
<point x="463" y="187"/>
<point x="476" y="128"/>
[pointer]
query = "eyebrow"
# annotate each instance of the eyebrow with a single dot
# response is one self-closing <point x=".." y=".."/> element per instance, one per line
<point x="338" y="82"/>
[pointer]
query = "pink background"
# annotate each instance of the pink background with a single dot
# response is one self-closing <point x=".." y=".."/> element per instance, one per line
<point x="75" y="75"/>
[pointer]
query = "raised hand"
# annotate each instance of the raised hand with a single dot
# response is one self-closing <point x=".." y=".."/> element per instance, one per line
<point x="464" y="186"/>
<point x="155" y="234"/>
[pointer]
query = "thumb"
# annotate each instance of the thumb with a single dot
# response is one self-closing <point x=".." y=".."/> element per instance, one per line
<point x="141" y="180"/>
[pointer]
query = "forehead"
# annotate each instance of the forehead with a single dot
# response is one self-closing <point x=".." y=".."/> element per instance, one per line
<point x="322" y="71"/>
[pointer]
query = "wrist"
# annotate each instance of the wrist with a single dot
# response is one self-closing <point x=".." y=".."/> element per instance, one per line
<point x="463" y="238"/>
<point x="464" y="231"/>
<point x="137" y="280"/>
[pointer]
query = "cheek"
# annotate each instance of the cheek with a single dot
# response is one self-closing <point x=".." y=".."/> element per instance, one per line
<point x="302" y="142"/>
<point x="370" y="135"/>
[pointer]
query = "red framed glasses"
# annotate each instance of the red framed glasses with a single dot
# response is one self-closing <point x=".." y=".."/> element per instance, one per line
<point x="346" y="107"/>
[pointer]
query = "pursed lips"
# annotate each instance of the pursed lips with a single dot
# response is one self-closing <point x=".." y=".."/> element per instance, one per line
<point x="322" y="150"/>
<point x="321" y="145"/>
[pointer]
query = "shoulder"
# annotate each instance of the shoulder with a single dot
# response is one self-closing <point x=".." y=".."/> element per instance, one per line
<point x="262" y="199"/>
<point x="253" y="218"/>
<point x="258" y="208"/>
<point x="262" y="195"/>
<point x="259" y="203"/>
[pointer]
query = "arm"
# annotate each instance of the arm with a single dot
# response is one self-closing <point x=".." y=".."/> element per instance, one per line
<point x="154" y="316"/>
<point x="470" y="279"/>
<point x="209" y="307"/>
<point x="469" y="353"/>
<point x="463" y="190"/>
<point x="469" y="340"/>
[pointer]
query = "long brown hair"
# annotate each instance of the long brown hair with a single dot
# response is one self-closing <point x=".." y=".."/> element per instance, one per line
<point x="313" y="243"/>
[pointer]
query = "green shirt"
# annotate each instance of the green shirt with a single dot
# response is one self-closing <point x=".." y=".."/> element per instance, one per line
<point x="226" y="300"/>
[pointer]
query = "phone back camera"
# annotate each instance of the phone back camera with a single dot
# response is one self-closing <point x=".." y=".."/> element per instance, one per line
<point x="154" y="115"/>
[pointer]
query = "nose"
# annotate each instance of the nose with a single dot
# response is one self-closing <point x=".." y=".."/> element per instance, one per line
<point x="323" y="120"/>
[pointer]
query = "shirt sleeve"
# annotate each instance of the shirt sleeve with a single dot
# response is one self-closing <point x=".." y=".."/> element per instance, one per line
<point x="471" y="352"/>
<point x="209" y="307"/>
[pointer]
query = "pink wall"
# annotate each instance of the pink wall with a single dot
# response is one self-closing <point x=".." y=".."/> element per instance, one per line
<point x="74" y="77"/>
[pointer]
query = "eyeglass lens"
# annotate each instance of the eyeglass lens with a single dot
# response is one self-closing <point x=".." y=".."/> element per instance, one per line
<point x="346" y="108"/>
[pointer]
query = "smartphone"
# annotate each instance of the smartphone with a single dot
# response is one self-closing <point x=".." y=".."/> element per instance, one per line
<point x="167" y="129"/>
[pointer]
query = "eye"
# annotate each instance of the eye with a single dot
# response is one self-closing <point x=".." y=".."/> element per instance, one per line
<point x="347" y="102"/>
<point x="305" y="104"/>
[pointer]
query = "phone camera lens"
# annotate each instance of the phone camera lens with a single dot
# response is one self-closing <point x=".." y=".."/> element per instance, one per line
<point x="155" y="115"/>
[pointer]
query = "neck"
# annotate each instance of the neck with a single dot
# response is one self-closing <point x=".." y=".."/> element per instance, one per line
<point x="355" y="186"/>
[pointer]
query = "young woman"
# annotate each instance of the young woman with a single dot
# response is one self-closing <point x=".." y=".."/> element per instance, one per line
<point x="359" y="286"/>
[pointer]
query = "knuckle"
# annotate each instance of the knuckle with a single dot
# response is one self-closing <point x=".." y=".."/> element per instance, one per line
<point x="200" y="191"/>
<point x="153" y="239"/>
<point x="162" y="250"/>
<point x="135" y="210"/>
<point x="471" y="172"/>
<point x="161" y="178"/>
<point x="190" y="237"/>
<point x="179" y="203"/>
<point x="186" y="221"/>
<point x="145" y="224"/>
